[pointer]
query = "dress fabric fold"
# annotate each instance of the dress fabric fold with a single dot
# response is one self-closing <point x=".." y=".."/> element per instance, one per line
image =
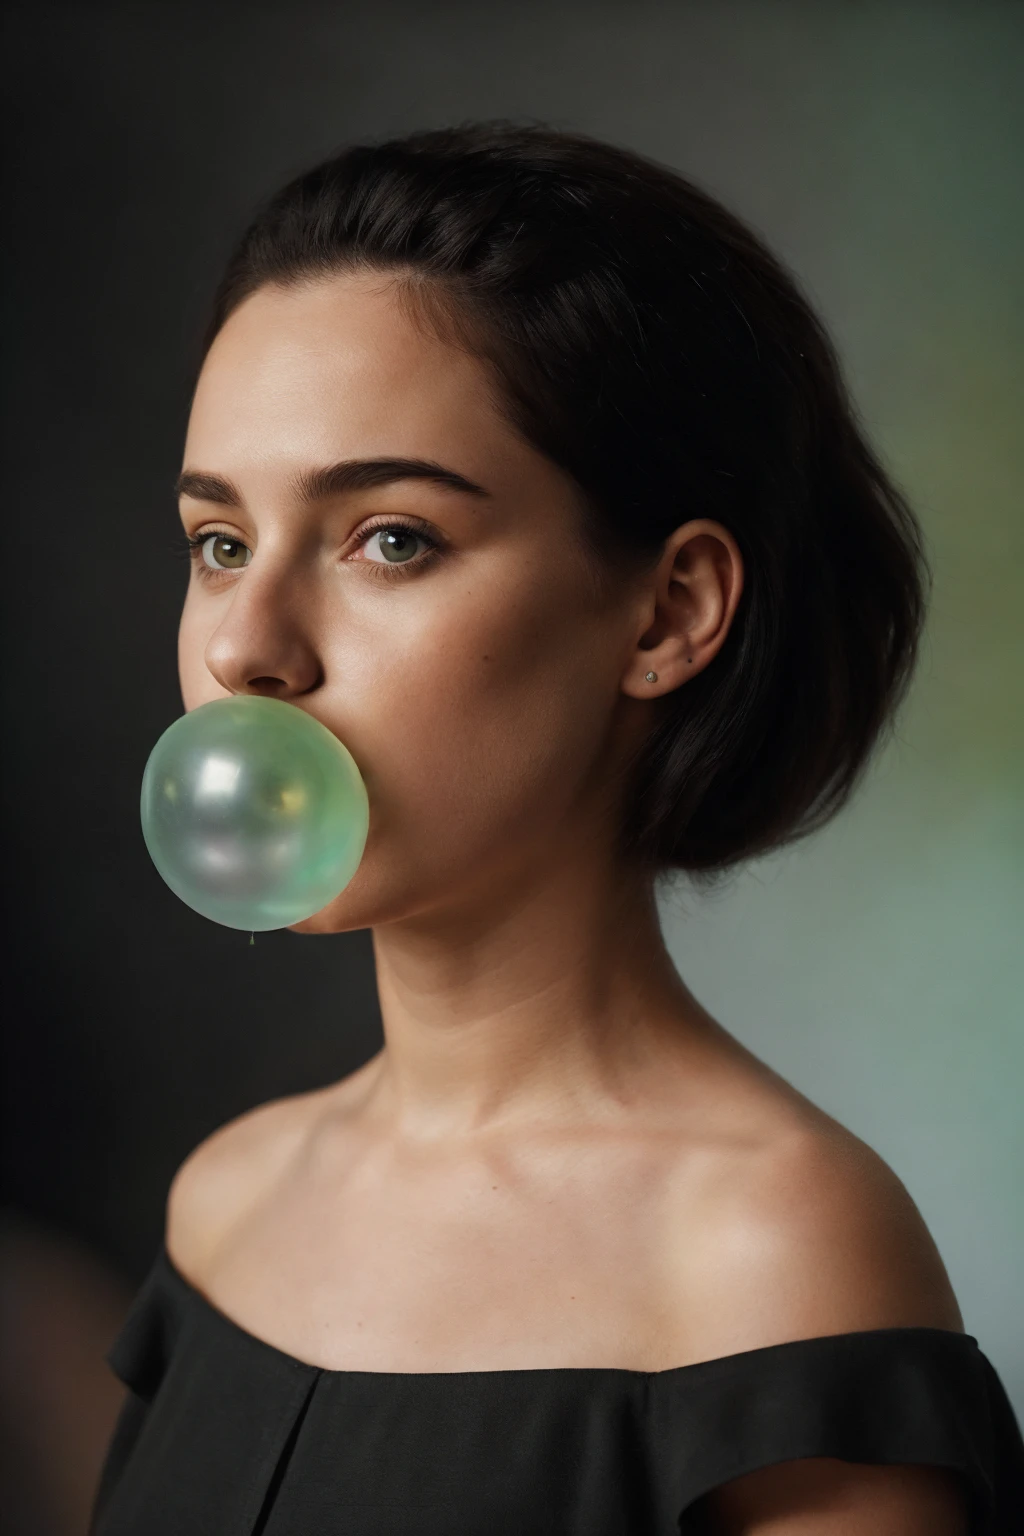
<point x="222" y="1434"/>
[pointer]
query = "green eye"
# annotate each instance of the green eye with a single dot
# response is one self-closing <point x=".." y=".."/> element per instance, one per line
<point x="394" y="545"/>
<point x="223" y="554"/>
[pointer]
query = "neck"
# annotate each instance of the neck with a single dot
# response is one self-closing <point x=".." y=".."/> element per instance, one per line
<point x="555" y="999"/>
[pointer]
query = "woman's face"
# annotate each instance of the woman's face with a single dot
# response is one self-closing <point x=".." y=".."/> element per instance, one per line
<point x="453" y="638"/>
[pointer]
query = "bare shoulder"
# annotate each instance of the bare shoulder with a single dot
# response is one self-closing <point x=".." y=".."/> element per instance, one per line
<point x="228" y="1174"/>
<point x="810" y="1232"/>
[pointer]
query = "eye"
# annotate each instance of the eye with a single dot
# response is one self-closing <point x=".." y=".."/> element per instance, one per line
<point x="222" y="553"/>
<point x="393" y="546"/>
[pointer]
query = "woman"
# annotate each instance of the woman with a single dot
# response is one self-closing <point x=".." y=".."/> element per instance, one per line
<point x="520" y="463"/>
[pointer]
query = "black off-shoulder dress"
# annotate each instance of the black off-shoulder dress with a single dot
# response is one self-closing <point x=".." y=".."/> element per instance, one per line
<point x="223" y="1434"/>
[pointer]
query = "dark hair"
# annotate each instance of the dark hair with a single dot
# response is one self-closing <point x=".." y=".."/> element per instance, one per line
<point x="647" y="342"/>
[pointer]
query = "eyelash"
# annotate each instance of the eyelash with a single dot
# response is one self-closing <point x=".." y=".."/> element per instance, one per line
<point x="385" y="570"/>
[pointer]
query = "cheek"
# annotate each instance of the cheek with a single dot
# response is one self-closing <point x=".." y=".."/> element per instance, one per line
<point x="198" y="685"/>
<point x="485" y="720"/>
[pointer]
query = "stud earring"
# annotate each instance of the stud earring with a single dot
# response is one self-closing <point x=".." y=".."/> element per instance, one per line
<point x="651" y="677"/>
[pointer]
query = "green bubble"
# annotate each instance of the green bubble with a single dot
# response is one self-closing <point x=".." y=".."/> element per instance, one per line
<point x="253" y="812"/>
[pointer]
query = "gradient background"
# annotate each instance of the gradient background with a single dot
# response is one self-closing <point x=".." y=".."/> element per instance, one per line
<point x="877" y="146"/>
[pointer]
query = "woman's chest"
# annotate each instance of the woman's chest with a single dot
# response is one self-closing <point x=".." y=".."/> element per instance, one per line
<point x="460" y="1275"/>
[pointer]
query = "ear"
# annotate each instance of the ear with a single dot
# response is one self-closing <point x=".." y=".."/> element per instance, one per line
<point x="688" y="602"/>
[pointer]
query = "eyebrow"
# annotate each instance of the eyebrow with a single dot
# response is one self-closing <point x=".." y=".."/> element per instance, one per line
<point x="333" y="480"/>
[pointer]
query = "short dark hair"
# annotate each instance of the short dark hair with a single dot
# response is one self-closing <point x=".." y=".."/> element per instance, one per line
<point x="649" y="344"/>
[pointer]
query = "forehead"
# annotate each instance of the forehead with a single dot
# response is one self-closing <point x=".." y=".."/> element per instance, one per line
<point x="338" y="367"/>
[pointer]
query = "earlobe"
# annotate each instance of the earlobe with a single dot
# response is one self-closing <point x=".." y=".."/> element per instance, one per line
<point x="652" y="677"/>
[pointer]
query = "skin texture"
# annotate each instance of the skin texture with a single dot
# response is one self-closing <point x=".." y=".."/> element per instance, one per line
<point x="558" y="1158"/>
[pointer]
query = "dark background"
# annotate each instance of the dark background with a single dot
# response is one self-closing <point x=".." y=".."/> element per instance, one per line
<point x="138" y="138"/>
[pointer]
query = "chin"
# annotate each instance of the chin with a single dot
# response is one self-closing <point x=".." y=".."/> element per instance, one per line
<point x="348" y="911"/>
<point x="320" y="922"/>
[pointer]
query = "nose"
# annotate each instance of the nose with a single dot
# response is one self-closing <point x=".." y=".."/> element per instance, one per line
<point x="264" y="643"/>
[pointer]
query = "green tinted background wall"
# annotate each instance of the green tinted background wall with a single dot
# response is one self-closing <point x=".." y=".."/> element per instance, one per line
<point x="878" y="147"/>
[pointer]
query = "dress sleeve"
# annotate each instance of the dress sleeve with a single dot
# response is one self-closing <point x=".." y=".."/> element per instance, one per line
<point x="138" y="1357"/>
<point x="126" y="1432"/>
<point x="891" y="1395"/>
